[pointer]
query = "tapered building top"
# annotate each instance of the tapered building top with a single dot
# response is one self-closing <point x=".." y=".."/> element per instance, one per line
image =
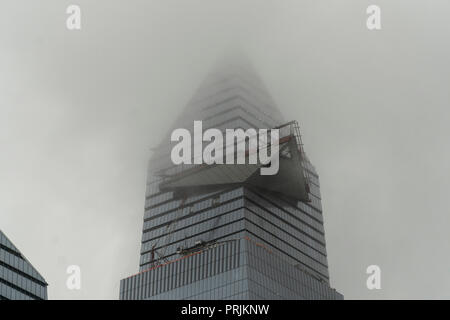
<point x="234" y="80"/>
<point x="231" y="96"/>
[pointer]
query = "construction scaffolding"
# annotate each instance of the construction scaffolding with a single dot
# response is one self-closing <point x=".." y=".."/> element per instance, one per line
<point x="287" y="132"/>
<point x="293" y="179"/>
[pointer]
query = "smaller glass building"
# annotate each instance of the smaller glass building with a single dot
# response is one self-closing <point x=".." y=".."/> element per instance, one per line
<point x="19" y="280"/>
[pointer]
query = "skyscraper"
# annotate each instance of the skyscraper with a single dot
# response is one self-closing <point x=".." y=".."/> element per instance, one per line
<point x="225" y="231"/>
<point x="19" y="280"/>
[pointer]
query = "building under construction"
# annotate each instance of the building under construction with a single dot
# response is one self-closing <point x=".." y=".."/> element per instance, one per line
<point x="225" y="231"/>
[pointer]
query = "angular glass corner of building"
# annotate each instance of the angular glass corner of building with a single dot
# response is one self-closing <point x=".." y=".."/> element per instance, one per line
<point x="226" y="232"/>
<point x="19" y="280"/>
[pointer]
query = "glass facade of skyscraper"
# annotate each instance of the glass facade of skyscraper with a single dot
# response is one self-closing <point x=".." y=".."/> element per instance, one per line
<point x="246" y="238"/>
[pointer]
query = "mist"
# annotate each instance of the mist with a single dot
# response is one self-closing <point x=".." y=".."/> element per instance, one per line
<point x="81" y="110"/>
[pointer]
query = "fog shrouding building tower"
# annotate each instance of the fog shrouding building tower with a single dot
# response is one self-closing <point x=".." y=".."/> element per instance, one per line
<point x="19" y="280"/>
<point x="225" y="231"/>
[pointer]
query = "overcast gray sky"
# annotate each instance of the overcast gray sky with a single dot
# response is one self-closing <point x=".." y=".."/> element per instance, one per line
<point x="79" y="111"/>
